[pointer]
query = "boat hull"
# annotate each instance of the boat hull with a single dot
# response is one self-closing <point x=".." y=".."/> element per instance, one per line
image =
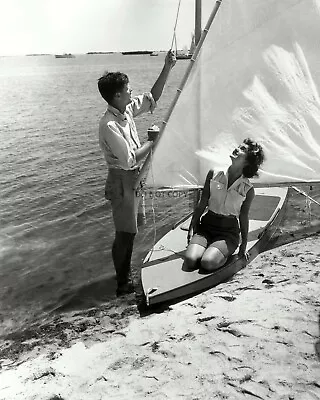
<point x="64" y="56"/>
<point x="163" y="276"/>
<point x="183" y="56"/>
<point x="136" y="53"/>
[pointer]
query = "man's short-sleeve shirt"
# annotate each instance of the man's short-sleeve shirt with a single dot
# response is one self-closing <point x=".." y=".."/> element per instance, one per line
<point x="118" y="137"/>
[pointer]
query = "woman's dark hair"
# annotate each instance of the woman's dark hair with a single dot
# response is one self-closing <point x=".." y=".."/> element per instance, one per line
<point x="255" y="157"/>
<point x="111" y="83"/>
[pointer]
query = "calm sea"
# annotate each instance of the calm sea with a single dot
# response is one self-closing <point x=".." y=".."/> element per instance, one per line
<point x="56" y="230"/>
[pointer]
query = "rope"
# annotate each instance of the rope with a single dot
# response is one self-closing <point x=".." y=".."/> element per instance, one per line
<point x="308" y="207"/>
<point x="174" y="37"/>
<point x="309" y="199"/>
<point x="306" y="195"/>
<point x="153" y="211"/>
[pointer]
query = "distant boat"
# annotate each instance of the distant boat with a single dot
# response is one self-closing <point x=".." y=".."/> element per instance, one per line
<point x="187" y="54"/>
<point x="65" y="55"/>
<point x="154" y="54"/>
<point x="183" y="56"/>
<point x="138" y="52"/>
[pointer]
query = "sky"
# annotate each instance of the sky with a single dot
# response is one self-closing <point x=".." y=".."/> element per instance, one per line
<point x="80" y="26"/>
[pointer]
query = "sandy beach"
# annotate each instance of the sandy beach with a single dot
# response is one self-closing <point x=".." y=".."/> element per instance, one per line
<point x="256" y="336"/>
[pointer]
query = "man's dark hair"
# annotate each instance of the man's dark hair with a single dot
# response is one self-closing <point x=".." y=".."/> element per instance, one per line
<point x="111" y="83"/>
<point x="255" y="157"/>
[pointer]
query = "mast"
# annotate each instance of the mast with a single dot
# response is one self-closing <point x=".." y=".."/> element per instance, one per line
<point x="197" y="22"/>
<point x="197" y="36"/>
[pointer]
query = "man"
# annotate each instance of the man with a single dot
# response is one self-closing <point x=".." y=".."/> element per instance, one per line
<point x="123" y="153"/>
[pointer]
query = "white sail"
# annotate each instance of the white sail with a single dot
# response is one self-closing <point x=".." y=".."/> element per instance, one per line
<point x="257" y="75"/>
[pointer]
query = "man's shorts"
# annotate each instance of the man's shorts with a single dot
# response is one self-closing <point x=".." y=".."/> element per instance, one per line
<point x="126" y="203"/>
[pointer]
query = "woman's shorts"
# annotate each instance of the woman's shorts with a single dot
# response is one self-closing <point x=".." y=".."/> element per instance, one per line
<point x="219" y="231"/>
<point x="127" y="203"/>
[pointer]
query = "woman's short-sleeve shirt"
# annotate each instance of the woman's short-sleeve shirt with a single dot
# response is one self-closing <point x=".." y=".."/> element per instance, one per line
<point x="224" y="200"/>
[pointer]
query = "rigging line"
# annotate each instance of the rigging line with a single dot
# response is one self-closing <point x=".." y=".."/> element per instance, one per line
<point x="308" y="208"/>
<point x="306" y="195"/>
<point x="153" y="211"/>
<point x="175" y="44"/>
<point x="174" y="39"/>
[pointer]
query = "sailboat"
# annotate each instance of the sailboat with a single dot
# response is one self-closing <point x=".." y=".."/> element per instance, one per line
<point x="189" y="53"/>
<point x="255" y="74"/>
<point x="64" y="55"/>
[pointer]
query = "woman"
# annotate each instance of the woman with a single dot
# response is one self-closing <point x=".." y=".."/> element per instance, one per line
<point x="228" y="197"/>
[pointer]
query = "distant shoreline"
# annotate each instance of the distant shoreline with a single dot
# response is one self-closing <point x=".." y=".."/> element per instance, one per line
<point x="38" y="54"/>
<point x="100" y="52"/>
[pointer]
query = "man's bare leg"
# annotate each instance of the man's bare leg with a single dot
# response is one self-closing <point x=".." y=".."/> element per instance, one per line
<point x="121" y="254"/>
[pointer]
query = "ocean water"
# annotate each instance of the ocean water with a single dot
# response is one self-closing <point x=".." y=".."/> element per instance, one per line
<point x="56" y="229"/>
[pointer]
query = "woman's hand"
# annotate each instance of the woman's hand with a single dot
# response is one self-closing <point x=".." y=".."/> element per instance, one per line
<point x="243" y="253"/>
<point x="190" y="234"/>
